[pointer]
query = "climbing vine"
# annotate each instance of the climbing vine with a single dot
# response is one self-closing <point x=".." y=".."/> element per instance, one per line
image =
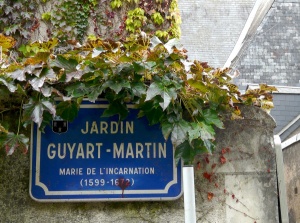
<point x="17" y="18"/>
<point x="70" y="19"/>
<point x="135" y="19"/>
<point x="186" y="98"/>
<point x="76" y="20"/>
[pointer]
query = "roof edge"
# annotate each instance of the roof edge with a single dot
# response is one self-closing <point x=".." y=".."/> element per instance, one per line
<point x="281" y="89"/>
<point x="289" y="126"/>
<point x="291" y="141"/>
<point x="257" y="14"/>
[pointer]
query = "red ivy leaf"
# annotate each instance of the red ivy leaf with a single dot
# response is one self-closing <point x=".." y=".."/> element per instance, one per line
<point x="225" y="150"/>
<point x="210" y="196"/>
<point x="207" y="160"/>
<point x="233" y="196"/>
<point x="207" y="176"/>
<point x="213" y="166"/>
<point x="198" y="166"/>
<point x="222" y="159"/>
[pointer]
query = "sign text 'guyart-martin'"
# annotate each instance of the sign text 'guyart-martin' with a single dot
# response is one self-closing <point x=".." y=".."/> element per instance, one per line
<point x="95" y="158"/>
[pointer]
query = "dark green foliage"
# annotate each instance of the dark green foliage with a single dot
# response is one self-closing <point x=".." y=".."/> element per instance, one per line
<point x="186" y="98"/>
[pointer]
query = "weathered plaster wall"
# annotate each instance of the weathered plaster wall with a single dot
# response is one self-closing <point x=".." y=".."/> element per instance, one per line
<point x="244" y="183"/>
<point x="235" y="184"/>
<point x="292" y="179"/>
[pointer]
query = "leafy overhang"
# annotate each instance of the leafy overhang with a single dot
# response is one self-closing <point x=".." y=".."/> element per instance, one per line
<point x="186" y="98"/>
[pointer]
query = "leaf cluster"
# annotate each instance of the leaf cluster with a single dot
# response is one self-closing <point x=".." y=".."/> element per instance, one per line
<point x="186" y="98"/>
<point x="159" y="17"/>
<point x="135" y="19"/>
<point x="17" y="18"/>
<point x="70" y="19"/>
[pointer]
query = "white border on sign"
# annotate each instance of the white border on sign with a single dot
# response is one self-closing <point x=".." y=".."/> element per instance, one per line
<point x="94" y="192"/>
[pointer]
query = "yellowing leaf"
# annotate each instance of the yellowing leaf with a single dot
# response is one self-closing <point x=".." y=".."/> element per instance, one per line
<point x="38" y="58"/>
<point x="233" y="88"/>
<point x="235" y="116"/>
<point x="267" y="105"/>
<point x="265" y="87"/>
<point x="197" y="68"/>
<point x="6" y="42"/>
<point x="2" y="129"/>
<point x="44" y="46"/>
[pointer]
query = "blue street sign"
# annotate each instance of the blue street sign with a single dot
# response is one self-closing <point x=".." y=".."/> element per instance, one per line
<point x="95" y="158"/>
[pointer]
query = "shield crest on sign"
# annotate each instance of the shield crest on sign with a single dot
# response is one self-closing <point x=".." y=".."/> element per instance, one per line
<point x="59" y="126"/>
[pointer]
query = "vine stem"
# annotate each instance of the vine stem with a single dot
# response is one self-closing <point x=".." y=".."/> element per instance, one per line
<point x="19" y="124"/>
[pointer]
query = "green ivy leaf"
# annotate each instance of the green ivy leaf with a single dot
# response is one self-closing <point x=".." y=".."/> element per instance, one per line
<point x="171" y="44"/>
<point x="201" y="130"/>
<point x="18" y="75"/>
<point x="188" y="150"/>
<point x="94" y="92"/>
<point x="21" y="90"/>
<point x="180" y="132"/>
<point x="97" y="51"/>
<point x="138" y="89"/>
<point x="152" y="111"/>
<point x="195" y="132"/>
<point x="154" y="90"/>
<point x="11" y="141"/>
<point x="35" y="108"/>
<point x="68" y="64"/>
<point x="141" y="67"/>
<point x="76" y="75"/>
<point x="198" y="85"/>
<point x="68" y="110"/>
<point x="211" y="117"/>
<point x="185" y="152"/>
<point x="154" y="41"/>
<point x="117" y="86"/>
<point x="77" y="90"/>
<point x="38" y="82"/>
<point x="206" y="131"/>
<point x="116" y="108"/>
<point x="138" y="67"/>
<point x="209" y="145"/>
<point x="47" y="119"/>
<point x="9" y="84"/>
<point x="167" y="129"/>
<point x="167" y="93"/>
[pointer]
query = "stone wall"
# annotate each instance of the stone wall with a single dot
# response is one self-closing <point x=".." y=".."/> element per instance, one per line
<point x="292" y="179"/>
<point x="235" y="184"/>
